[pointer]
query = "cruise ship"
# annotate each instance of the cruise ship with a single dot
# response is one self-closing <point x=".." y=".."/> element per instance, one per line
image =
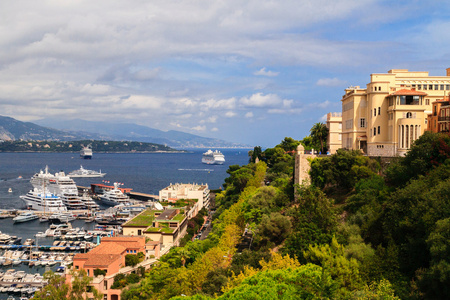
<point x="43" y="201"/>
<point x="86" y="152"/>
<point x="213" y="158"/>
<point x="114" y="197"/>
<point x="60" y="185"/>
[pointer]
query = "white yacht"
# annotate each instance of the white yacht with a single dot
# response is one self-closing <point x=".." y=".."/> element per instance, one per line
<point x="43" y="201"/>
<point x="24" y="217"/>
<point x="213" y="157"/>
<point x="82" y="172"/>
<point x="114" y="197"/>
<point x="89" y="202"/>
<point x="60" y="185"/>
<point x="59" y="218"/>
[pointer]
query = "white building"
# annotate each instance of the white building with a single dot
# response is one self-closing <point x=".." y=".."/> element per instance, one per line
<point x="178" y="191"/>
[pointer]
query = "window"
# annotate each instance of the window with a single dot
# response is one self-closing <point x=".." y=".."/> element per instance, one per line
<point x="374" y="112"/>
<point x="447" y="86"/>
<point x="442" y="87"/>
<point x="379" y="110"/>
<point x="378" y="129"/>
<point x="419" y="86"/>
<point x="379" y="88"/>
<point x="430" y="87"/>
<point x="340" y="125"/>
<point x="362" y="123"/>
<point x="409" y="100"/>
<point x="436" y="87"/>
<point x="349" y="124"/>
<point x="374" y="131"/>
<point x="425" y="87"/>
<point x="408" y="115"/>
<point x="105" y="284"/>
<point x="427" y="101"/>
<point x="340" y="137"/>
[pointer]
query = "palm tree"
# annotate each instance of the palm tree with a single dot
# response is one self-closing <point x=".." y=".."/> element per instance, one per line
<point x="319" y="133"/>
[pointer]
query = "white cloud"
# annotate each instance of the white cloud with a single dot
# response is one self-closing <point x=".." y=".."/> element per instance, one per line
<point x="219" y="104"/>
<point x="212" y="119"/>
<point x="249" y="114"/>
<point x="263" y="72"/>
<point x="330" y="82"/>
<point x="230" y="114"/>
<point x="260" y="100"/>
<point x="214" y="129"/>
<point x="199" y="128"/>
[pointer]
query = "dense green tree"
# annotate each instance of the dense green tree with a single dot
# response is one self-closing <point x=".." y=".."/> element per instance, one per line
<point x="341" y="171"/>
<point x="314" y="221"/>
<point x="57" y="287"/>
<point x="131" y="260"/>
<point x="427" y="152"/>
<point x="275" y="227"/>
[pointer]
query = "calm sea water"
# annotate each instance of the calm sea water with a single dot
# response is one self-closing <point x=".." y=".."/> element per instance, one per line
<point x="143" y="172"/>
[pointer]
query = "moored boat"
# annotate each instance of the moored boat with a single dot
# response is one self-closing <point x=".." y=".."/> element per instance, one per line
<point x="25" y="217"/>
<point x="82" y="172"/>
<point x="114" y="197"/>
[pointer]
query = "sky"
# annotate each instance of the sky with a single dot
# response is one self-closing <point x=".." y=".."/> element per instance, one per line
<point x="250" y="72"/>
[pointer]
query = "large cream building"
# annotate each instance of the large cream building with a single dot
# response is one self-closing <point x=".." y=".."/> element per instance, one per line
<point x="387" y="116"/>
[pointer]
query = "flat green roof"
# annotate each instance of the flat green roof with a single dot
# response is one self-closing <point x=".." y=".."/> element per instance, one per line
<point x="145" y="218"/>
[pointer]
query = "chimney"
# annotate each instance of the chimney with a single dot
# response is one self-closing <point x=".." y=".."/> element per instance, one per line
<point x="448" y="71"/>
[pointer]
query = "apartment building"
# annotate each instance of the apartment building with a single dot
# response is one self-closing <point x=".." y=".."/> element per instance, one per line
<point x="179" y="191"/>
<point x="387" y="116"/>
<point x="439" y="119"/>
<point x="109" y="256"/>
<point x="167" y="226"/>
<point x="334" y="125"/>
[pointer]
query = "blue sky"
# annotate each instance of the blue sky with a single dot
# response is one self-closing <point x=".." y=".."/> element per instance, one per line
<point x="251" y="72"/>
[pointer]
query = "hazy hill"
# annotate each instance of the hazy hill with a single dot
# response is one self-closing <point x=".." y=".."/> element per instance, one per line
<point x="64" y="130"/>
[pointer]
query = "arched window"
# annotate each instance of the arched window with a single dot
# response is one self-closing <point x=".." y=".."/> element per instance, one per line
<point x="408" y="115"/>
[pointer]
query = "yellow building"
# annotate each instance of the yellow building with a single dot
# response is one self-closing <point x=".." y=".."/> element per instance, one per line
<point x="386" y="117"/>
<point x="334" y="125"/>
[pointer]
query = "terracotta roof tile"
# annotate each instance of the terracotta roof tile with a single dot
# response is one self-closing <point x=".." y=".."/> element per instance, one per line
<point x="405" y="92"/>
<point x="102" y="260"/>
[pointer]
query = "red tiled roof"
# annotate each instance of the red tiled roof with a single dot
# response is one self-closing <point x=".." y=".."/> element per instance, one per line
<point x="108" y="248"/>
<point x="101" y="260"/>
<point x="405" y="92"/>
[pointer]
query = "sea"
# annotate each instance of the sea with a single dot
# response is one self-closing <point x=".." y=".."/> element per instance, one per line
<point x="142" y="172"/>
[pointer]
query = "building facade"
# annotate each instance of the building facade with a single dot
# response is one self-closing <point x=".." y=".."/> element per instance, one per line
<point x="334" y="125"/>
<point x="166" y="227"/>
<point x="439" y="119"/>
<point x="109" y="256"/>
<point x="179" y="191"/>
<point x="387" y="116"/>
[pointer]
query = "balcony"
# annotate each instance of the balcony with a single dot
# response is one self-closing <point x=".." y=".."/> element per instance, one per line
<point x="443" y="119"/>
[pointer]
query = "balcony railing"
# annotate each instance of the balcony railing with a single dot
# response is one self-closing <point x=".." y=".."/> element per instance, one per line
<point x="443" y="119"/>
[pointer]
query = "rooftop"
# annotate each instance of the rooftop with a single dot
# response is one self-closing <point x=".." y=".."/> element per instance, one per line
<point x="405" y="92"/>
<point x="143" y="219"/>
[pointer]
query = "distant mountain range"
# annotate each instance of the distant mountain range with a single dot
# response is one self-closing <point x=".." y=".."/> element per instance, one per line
<point x="71" y="130"/>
